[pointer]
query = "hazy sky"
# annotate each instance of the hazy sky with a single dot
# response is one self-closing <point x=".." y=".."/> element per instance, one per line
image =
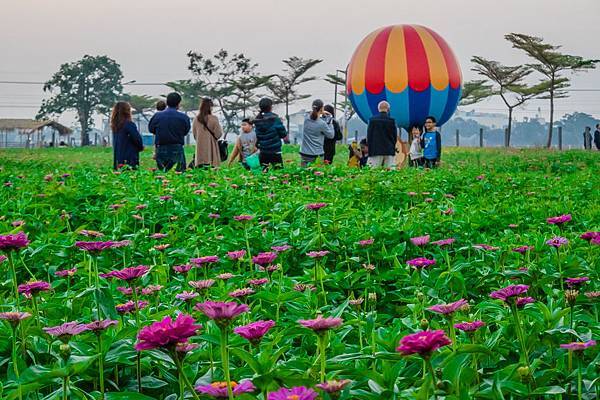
<point x="150" y="38"/>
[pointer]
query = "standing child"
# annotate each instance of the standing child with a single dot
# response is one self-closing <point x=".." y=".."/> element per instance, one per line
<point x="431" y="142"/>
<point x="416" y="151"/>
<point x="245" y="145"/>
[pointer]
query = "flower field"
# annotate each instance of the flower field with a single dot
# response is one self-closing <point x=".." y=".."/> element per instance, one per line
<point x="478" y="280"/>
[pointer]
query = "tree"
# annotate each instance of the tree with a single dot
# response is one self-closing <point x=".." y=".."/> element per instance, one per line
<point x="552" y="64"/>
<point x="191" y="93"/>
<point x="139" y="103"/>
<point x="508" y="83"/>
<point x="230" y="80"/>
<point x="475" y="91"/>
<point x="92" y="84"/>
<point x="284" y="87"/>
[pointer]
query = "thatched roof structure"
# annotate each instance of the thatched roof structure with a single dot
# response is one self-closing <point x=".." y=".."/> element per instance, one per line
<point x="27" y="126"/>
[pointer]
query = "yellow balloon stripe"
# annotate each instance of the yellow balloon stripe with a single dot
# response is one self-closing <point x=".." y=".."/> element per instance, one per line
<point x="396" y="73"/>
<point x="359" y="63"/>
<point x="437" y="64"/>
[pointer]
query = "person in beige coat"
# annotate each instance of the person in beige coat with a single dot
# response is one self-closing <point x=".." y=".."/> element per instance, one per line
<point x="207" y="131"/>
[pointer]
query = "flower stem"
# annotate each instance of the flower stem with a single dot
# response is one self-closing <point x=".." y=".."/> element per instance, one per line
<point x="101" y="366"/>
<point x="322" y="344"/>
<point x="225" y="360"/>
<point x="15" y="359"/>
<point x="14" y="278"/>
<point x="579" y="379"/>
<point x="432" y="373"/>
<point x="562" y="284"/>
<point x="138" y="363"/>
<point x="35" y="310"/>
<point x="184" y="377"/>
<point x="65" y="387"/>
<point x="452" y="331"/>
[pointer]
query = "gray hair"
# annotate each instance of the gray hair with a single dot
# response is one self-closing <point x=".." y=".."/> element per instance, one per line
<point x="383" y="106"/>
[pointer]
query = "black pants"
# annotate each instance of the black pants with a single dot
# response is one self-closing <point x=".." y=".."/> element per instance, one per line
<point x="270" y="159"/>
<point x="430" y="163"/>
<point x="170" y="155"/>
<point x="417" y="162"/>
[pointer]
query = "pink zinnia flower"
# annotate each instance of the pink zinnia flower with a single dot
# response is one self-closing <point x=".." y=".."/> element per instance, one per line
<point x="592" y="295"/>
<point x="242" y="218"/>
<point x="151" y="289"/>
<point x="99" y="326"/>
<point x="333" y="386"/>
<point x="241" y="293"/>
<point x="14" y="317"/>
<point x="130" y="306"/>
<point x="218" y="390"/>
<point x="444" y="242"/>
<point x="264" y="258"/>
<point x="205" y="260"/>
<point x="295" y="393"/>
<point x="221" y="312"/>
<point x="121" y="243"/>
<point x="321" y="324"/>
<point x="448" y="211"/>
<point x="127" y="291"/>
<point x="560" y="220"/>
<point x="595" y="241"/>
<point x="33" y="288"/>
<point x="366" y="242"/>
<point x="523" y="249"/>
<point x="18" y="223"/>
<point x="258" y="282"/>
<point x="578" y="346"/>
<point x="182" y="269"/>
<point x="65" y="331"/>
<point x="508" y="292"/>
<point x="13" y="242"/>
<point x="588" y="236"/>
<point x="214" y="216"/>
<point x="576" y="282"/>
<point x="95" y="247"/>
<point x="557" y="242"/>
<point x="165" y="198"/>
<point x="451" y="308"/>
<point x="301" y="287"/>
<point x="167" y="333"/>
<point x="315" y="206"/>
<point x="317" y="254"/>
<point x="186" y="296"/>
<point x="469" y="326"/>
<point x="158" y="236"/>
<point x="225" y="276"/>
<point x="424" y="343"/>
<point x="420" y="262"/>
<point x="3" y="258"/>
<point x="202" y="285"/>
<point x="130" y="273"/>
<point x="65" y="272"/>
<point x="186" y="347"/>
<point x="523" y="301"/>
<point x="254" y="331"/>
<point x="236" y="255"/>
<point x="420" y="240"/>
<point x="282" y="248"/>
<point x="486" y="247"/>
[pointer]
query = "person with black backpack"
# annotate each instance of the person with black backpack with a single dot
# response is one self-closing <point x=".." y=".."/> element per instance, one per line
<point x="329" y="144"/>
<point x="269" y="133"/>
<point x="207" y="132"/>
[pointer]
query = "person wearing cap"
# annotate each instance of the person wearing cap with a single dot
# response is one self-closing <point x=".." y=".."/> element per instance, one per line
<point x="269" y="132"/>
<point x="329" y="144"/>
<point x="245" y="144"/>
<point x="382" y="135"/>
<point x="317" y="126"/>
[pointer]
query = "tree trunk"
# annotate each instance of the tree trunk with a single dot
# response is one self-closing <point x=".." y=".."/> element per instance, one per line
<point x="509" y="131"/>
<point x="549" y="143"/>
<point x="85" y="137"/>
<point x="287" y="113"/>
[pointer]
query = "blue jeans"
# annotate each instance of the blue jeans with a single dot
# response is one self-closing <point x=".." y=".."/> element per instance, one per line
<point x="169" y="155"/>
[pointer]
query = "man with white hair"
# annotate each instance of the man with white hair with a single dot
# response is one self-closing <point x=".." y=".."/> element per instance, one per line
<point x="382" y="134"/>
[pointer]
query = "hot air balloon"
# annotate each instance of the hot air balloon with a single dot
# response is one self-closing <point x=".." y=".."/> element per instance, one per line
<point x="411" y="67"/>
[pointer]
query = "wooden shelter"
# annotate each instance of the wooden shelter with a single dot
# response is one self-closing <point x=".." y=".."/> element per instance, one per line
<point x="32" y="133"/>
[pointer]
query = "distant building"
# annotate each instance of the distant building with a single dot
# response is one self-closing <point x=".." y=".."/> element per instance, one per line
<point x="29" y="133"/>
<point x="491" y="120"/>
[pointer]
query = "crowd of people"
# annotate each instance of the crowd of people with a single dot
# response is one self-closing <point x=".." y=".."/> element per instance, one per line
<point x="588" y="139"/>
<point x="259" y="143"/>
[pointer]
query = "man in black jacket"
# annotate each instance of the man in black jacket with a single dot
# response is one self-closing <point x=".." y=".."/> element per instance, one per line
<point x="382" y="135"/>
<point x="329" y="144"/>
<point x="597" y="137"/>
<point x="269" y="132"/>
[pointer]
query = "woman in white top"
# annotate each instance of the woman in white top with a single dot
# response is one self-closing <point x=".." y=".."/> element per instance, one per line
<point x="416" y="152"/>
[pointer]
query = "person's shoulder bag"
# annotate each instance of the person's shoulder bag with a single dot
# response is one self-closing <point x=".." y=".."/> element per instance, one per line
<point x="221" y="143"/>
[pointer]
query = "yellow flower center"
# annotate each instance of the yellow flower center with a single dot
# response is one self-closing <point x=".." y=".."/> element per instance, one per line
<point x="293" y="397"/>
<point x="223" y="385"/>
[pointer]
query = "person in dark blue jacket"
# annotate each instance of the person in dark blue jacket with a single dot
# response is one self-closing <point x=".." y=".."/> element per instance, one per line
<point x="127" y="141"/>
<point x="269" y="132"/>
<point x="170" y="128"/>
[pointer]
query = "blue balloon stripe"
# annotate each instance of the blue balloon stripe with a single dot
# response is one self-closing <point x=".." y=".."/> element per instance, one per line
<point x="374" y="99"/>
<point x="361" y="106"/>
<point x="438" y="101"/>
<point x="399" y="107"/>
<point x="451" y="104"/>
<point x="419" y="105"/>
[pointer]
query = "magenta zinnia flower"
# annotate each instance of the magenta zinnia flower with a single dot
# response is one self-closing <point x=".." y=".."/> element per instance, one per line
<point x="254" y="331"/>
<point x="218" y="390"/>
<point x="151" y="289"/>
<point x="588" y="236"/>
<point x="205" y="260"/>
<point x="14" y="317"/>
<point x="576" y="282"/>
<point x="158" y="236"/>
<point x="264" y="258"/>
<point x="182" y="269"/>
<point x="130" y="273"/>
<point x="65" y="331"/>
<point x="258" y="281"/>
<point x="167" y="333"/>
<point x="241" y="293"/>
<point x="242" y="218"/>
<point x="202" y="285"/>
<point x="95" y="247"/>
<point x="333" y="386"/>
<point x="444" y="242"/>
<point x="282" y="248"/>
<point x="186" y="296"/>
<point x="317" y="254"/>
<point x="130" y="306"/>
<point x="221" y="312"/>
<point x="557" y="241"/>
<point x="13" y="242"/>
<point x="523" y="301"/>
<point x="33" y="288"/>
<point x="420" y="240"/>
<point x="295" y="393"/>
<point x="469" y="326"/>
<point x="486" y="247"/>
<point x="578" y="346"/>
<point x="321" y="324"/>
<point x="451" y="308"/>
<point x="523" y="249"/>
<point x="236" y="255"/>
<point x="366" y="242"/>
<point x="315" y="206"/>
<point x="508" y="292"/>
<point x="65" y="272"/>
<point x="424" y="343"/>
<point x="561" y="219"/>
<point x="420" y="262"/>
<point x="99" y="326"/>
